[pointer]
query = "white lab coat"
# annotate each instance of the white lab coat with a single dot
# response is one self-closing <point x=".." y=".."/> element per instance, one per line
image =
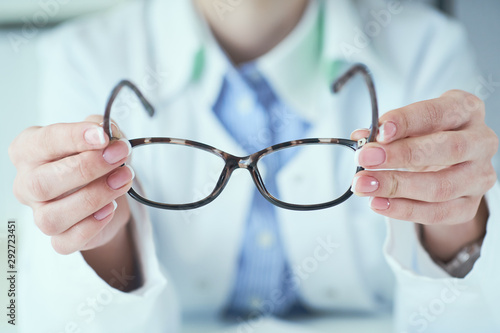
<point x="346" y="258"/>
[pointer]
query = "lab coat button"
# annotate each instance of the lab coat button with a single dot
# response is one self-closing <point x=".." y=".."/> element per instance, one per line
<point x="202" y="284"/>
<point x="254" y="76"/>
<point x="298" y="178"/>
<point x="331" y="293"/>
<point x="245" y="105"/>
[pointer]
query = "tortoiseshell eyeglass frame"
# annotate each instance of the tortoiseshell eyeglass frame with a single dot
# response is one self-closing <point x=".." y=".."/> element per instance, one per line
<point x="248" y="162"/>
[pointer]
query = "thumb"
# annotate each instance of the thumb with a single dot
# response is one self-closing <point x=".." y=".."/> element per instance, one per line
<point x="360" y="134"/>
<point x="115" y="130"/>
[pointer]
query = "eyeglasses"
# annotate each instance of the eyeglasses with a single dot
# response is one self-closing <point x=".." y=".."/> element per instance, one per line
<point x="188" y="190"/>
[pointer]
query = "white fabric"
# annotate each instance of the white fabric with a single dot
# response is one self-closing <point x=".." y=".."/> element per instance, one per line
<point x="189" y="258"/>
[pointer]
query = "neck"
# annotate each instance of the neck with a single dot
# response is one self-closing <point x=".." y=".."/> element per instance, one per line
<point x="247" y="29"/>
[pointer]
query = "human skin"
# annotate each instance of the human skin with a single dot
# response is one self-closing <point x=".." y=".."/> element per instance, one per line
<point x="447" y="147"/>
<point x="77" y="211"/>
<point x="249" y="29"/>
<point x="448" y="204"/>
<point x="70" y="184"/>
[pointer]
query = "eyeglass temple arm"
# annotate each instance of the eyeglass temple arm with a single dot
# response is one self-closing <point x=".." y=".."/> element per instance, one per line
<point x="124" y="83"/>
<point x="341" y="81"/>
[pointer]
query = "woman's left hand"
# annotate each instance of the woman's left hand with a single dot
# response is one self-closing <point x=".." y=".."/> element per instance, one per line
<point x="447" y="149"/>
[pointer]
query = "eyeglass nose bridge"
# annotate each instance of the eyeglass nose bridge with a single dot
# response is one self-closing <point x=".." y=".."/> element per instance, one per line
<point x="248" y="163"/>
<point x="232" y="163"/>
<point x="244" y="162"/>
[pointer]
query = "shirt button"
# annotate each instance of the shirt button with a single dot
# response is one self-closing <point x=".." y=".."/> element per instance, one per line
<point x="255" y="302"/>
<point x="245" y="105"/>
<point x="265" y="240"/>
<point x="254" y="76"/>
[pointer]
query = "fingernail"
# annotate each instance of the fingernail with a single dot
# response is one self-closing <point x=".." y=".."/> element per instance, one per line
<point x="370" y="157"/>
<point x="121" y="177"/>
<point x="117" y="151"/>
<point x="94" y="135"/>
<point x="364" y="184"/>
<point x="360" y="130"/>
<point x="105" y="211"/>
<point x="379" y="203"/>
<point x="356" y="157"/>
<point x="114" y="133"/>
<point x="386" y="131"/>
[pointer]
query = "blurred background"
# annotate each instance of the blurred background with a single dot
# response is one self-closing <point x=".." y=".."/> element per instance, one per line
<point x="23" y="21"/>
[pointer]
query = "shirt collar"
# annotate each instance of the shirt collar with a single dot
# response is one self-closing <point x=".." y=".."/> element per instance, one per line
<point x="295" y="60"/>
<point x="179" y="49"/>
<point x="175" y="43"/>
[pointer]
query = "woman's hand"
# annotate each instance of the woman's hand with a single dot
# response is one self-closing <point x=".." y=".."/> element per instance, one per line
<point x="447" y="148"/>
<point x="70" y="175"/>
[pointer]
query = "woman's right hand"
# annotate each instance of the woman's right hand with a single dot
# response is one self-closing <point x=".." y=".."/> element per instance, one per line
<point x="70" y="175"/>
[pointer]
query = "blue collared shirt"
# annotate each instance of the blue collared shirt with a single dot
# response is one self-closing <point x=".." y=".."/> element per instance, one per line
<point x="250" y="108"/>
<point x="255" y="116"/>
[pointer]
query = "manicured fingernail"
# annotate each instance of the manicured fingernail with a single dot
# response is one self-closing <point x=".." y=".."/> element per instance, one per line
<point x="360" y="130"/>
<point x="105" y="211"/>
<point x="379" y="203"/>
<point x="386" y="132"/>
<point x="117" y="151"/>
<point x="115" y="130"/>
<point x="94" y="135"/>
<point x="370" y="157"/>
<point x="120" y="177"/>
<point x="356" y="157"/>
<point x="364" y="184"/>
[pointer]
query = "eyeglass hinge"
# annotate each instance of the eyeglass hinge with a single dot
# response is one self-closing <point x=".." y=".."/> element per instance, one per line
<point x="362" y="142"/>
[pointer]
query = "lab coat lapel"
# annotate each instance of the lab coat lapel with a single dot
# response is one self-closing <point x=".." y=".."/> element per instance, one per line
<point x="174" y="29"/>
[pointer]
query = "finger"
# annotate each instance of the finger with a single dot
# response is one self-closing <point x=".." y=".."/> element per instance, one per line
<point x="360" y="134"/>
<point x="444" y="185"/>
<point x="46" y="144"/>
<point x="58" y="216"/>
<point x="51" y="180"/>
<point x="455" y="211"/>
<point x="76" y="237"/>
<point x="449" y="112"/>
<point x="115" y="131"/>
<point x="437" y="149"/>
<point x="121" y="217"/>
